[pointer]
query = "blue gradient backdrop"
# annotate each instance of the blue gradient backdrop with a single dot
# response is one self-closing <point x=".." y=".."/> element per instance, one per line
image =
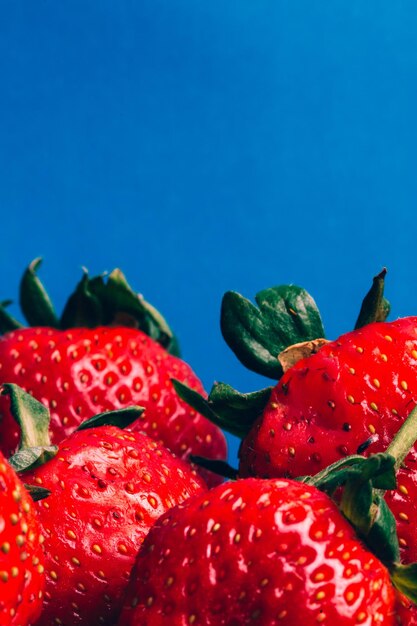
<point x="207" y="146"/>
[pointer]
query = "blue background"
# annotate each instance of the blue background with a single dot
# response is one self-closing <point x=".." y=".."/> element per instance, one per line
<point x="207" y="146"/>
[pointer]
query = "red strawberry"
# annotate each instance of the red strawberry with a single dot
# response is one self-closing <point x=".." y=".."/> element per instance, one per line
<point x="356" y="389"/>
<point x="359" y="484"/>
<point x="81" y="371"/>
<point x="107" y="488"/>
<point x="359" y="388"/>
<point x="22" y="575"/>
<point x="349" y="395"/>
<point x="402" y="501"/>
<point x="264" y="552"/>
<point x="332" y="398"/>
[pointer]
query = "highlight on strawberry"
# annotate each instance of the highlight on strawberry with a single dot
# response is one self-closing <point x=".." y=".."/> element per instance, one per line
<point x="107" y="350"/>
<point x="316" y="526"/>
<point x="281" y="551"/>
<point x="105" y="488"/>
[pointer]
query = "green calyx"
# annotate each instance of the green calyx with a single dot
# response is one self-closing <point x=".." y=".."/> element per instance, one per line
<point x="375" y="307"/>
<point x="33" y="419"/>
<point x="361" y="502"/>
<point x="122" y="418"/>
<point x="284" y="316"/>
<point x="37" y="493"/>
<point x="358" y="485"/>
<point x="263" y="338"/>
<point x="229" y="409"/>
<point x="404" y="578"/>
<point x="221" y="468"/>
<point x="105" y="300"/>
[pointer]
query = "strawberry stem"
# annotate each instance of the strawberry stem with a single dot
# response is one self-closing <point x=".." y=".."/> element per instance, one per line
<point x="404" y="439"/>
<point x="364" y="481"/>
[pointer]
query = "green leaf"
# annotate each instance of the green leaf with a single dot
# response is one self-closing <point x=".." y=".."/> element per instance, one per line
<point x="365" y="507"/>
<point x="29" y="458"/>
<point x="336" y="474"/>
<point x="34" y="300"/>
<point x="285" y="315"/>
<point x="118" y="299"/>
<point x="30" y="414"/>
<point x="236" y="406"/>
<point x="33" y="418"/>
<point x="101" y="300"/>
<point x="197" y="402"/>
<point x="159" y="330"/>
<point x="7" y="322"/>
<point x="386" y="479"/>
<point x="121" y="305"/>
<point x="37" y="493"/>
<point x="404" y="439"/>
<point x="375" y="308"/>
<point x="382" y="536"/>
<point x="120" y="418"/>
<point x="221" y="468"/>
<point x="83" y="308"/>
<point x="357" y="501"/>
<point x="361" y="503"/>
<point x="227" y="408"/>
<point x="404" y="578"/>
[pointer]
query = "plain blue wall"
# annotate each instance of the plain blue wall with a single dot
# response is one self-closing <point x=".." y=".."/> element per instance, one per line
<point x="206" y="146"/>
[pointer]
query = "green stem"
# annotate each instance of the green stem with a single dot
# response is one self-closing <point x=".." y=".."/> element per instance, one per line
<point x="404" y="440"/>
<point x="320" y="478"/>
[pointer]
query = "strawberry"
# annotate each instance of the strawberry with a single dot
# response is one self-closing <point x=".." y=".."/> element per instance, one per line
<point x="279" y="551"/>
<point x="335" y="397"/>
<point x="266" y="552"/>
<point x="77" y="366"/>
<point x="341" y="397"/>
<point x="356" y="389"/>
<point x="22" y="576"/>
<point x="106" y="488"/>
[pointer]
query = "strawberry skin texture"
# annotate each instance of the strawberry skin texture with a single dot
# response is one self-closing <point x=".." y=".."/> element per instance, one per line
<point x="406" y="612"/>
<point x="22" y="577"/>
<point x="264" y="552"/>
<point x="82" y="372"/>
<point x="362" y="385"/>
<point x="107" y="488"/>
<point x="403" y="504"/>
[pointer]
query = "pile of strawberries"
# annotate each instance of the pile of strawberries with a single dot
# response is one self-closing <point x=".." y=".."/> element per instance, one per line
<point x="113" y="511"/>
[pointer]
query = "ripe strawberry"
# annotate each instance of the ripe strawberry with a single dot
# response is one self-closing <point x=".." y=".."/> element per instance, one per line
<point x="358" y="484"/>
<point x="107" y="488"/>
<point x="348" y="395"/>
<point x="265" y="552"/>
<point x="22" y="575"/>
<point x="358" y="388"/>
<point x="78" y="367"/>
<point x="402" y="502"/>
